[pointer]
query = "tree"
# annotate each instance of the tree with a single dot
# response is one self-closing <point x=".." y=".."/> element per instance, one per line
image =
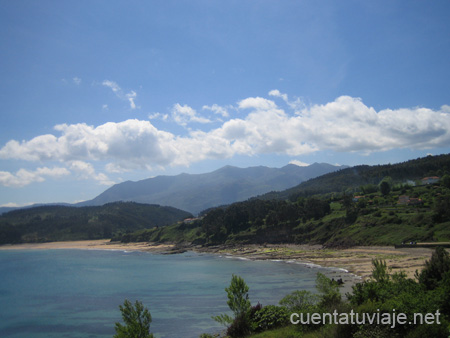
<point x="238" y="301"/>
<point x="380" y="271"/>
<point x="435" y="269"/>
<point x="385" y="188"/>
<point x="331" y="297"/>
<point x="137" y="321"/>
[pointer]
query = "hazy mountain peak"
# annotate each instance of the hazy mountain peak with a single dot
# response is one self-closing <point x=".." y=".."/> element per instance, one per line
<point x="198" y="192"/>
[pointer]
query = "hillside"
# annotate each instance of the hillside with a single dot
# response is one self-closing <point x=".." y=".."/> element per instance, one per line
<point x="387" y="213"/>
<point x="351" y="179"/>
<point x="198" y="192"/>
<point x="60" y="223"/>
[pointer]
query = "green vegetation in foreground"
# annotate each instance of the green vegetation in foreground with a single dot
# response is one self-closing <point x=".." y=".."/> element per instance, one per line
<point x="63" y="223"/>
<point x="383" y="294"/>
<point x="402" y="212"/>
<point x="137" y="321"/>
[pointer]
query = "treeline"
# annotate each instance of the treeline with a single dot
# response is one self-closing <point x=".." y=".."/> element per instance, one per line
<point x="374" y="218"/>
<point x="353" y="178"/>
<point x="261" y="221"/>
<point x="61" y="223"/>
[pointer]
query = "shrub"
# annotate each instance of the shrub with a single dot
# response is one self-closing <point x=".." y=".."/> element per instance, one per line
<point x="299" y="301"/>
<point x="270" y="317"/>
<point x="240" y="327"/>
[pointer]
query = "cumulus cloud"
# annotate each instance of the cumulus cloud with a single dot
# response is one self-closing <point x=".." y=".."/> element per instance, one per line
<point x="296" y="104"/>
<point x="76" y="80"/>
<point x="86" y="170"/>
<point x="299" y="163"/>
<point x="216" y="109"/>
<point x="130" y="97"/>
<point x="343" y="125"/>
<point x="258" y="103"/>
<point x="154" y="116"/>
<point x="277" y="93"/>
<point x="25" y="177"/>
<point x="185" y="114"/>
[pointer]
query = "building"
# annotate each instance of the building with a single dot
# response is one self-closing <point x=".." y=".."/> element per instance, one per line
<point x="430" y="180"/>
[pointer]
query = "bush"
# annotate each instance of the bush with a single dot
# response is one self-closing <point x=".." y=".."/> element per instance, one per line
<point x="270" y="317"/>
<point x="299" y="301"/>
<point x="240" y="327"/>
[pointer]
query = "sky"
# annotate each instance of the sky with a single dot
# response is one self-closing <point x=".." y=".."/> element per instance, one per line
<point x="94" y="93"/>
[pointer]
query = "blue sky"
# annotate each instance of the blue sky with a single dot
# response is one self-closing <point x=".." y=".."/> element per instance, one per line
<point x="94" y="93"/>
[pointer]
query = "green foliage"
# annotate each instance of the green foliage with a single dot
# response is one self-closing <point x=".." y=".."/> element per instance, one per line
<point x="60" y="223"/>
<point x="137" y="321"/>
<point x="206" y="335"/>
<point x="383" y="293"/>
<point x="369" y="188"/>
<point x="385" y="188"/>
<point x="445" y="181"/>
<point x="300" y="301"/>
<point x="435" y="269"/>
<point x="380" y="271"/>
<point x="237" y="294"/>
<point x="353" y="178"/>
<point x="238" y="301"/>
<point x="270" y="317"/>
<point x="329" y="289"/>
<point x="240" y="327"/>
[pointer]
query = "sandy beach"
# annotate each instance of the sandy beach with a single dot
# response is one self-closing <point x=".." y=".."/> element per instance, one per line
<point x="101" y="244"/>
<point x="357" y="261"/>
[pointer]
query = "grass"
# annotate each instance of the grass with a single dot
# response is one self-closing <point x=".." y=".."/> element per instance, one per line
<point x="290" y="331"/>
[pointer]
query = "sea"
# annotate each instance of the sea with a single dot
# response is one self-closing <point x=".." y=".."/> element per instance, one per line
<point x="76" y="293"/>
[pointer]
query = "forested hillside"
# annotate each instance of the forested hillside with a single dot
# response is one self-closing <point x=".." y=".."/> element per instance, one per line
<point x="351" y="179"/>
<point x="384" y="212"/>
<point x="59" y="223"/>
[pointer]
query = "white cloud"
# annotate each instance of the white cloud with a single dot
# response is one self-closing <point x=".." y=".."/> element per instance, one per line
<point x="25" y="177"/>
<point x="130" y="97"/>
<point x="185" y="114"/>
<point x="299" y="163"/>
<point x="258" y="103"/>
<point x="16" y="205"/>
<point x="297" y="104"/>
<point x="154" y="116"/>
<point x="277" y="93"/>
<point x="86" y="170"/>
<point x="216" y="109"/>
<point x="76" y="80"/>
<point x="111" y="84"/>
<point x="344" y="125"/>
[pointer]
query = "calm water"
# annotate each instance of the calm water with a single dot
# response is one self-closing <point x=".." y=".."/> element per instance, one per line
<point x="76" y="293"/>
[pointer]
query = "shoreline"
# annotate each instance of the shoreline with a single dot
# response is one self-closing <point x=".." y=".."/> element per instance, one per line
<point x="352" y="265"/>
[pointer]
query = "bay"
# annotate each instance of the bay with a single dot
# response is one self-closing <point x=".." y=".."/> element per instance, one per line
<point x="76" y="293"/>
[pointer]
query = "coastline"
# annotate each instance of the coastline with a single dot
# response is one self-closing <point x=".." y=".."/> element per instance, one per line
<point x="352" y="265"/>
<point x="99" y="244"/>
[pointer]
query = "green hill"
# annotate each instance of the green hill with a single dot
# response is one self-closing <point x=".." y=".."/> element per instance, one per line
<point x="351" y="179"/>
<point x="379" y="205"/>
<point x="61" y="223"/>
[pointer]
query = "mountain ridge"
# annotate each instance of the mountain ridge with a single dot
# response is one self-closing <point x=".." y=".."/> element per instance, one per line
<point x="197" y="192"/>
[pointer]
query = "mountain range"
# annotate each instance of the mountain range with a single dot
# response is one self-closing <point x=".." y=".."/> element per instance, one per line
<point x="197" y="192"/>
